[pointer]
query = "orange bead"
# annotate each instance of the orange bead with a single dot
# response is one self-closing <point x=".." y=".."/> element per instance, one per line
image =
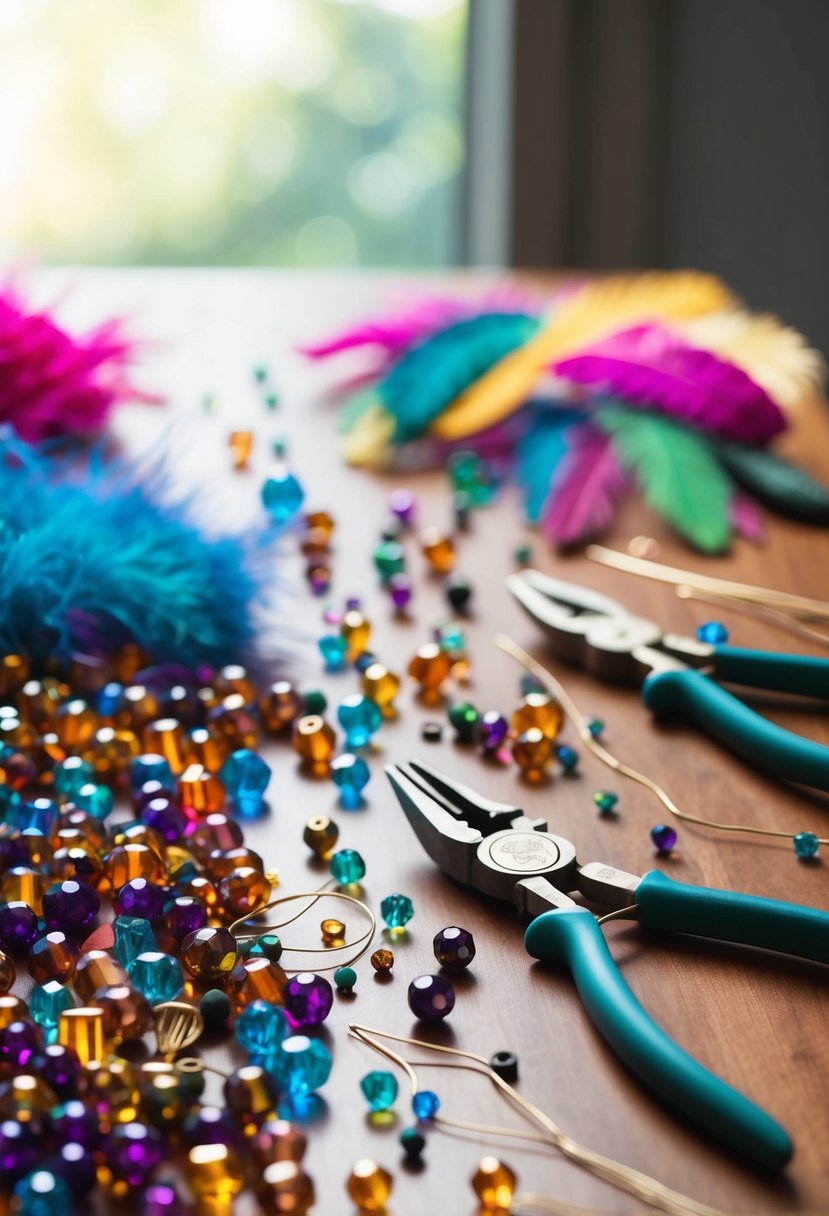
<point x="243" y="892"/>
<point x="136" y="833"/>
<point x="369" y="1186"/>
<point x="127" y="861"/>
<point x="14" y="672"/>
<point x="201" y="887"/>
<point x="209" y="953"/>
<point x="438" y="549"/>
<point x="215" y="833"/>
<point x="97" y="969"/>
<point x="39" y="701"/>
<point x="241" y="445"/>
<point x="26" y="1098"/>
<point x="494" y="1183"/>
<point x="126" y="1013"/>
<point x="14" y="732"/>
<point x="127" y="662"/>
<point x="381" y="686"/>
<point x="92" y="830"/>
<point x="236" y="719"/>
<point x="110" y="1088"/>
<point x="75" y="724"/>
<point x="280" y="705"/>
<point x="26" y="885"/>
<point x="531" y="751"/>
<point x="215" y="1175"/>
<point x="284" y="1189"/>
<point x="430" y="667"/>
<point x="8" y="972"/>
<point x="314" y="739"/>
<point x="321" y="519"/>
<point x="265" y="981"/>
<point x="221" y="862"/>
<point x="315" y="544"/>
<point x="235" y="678"/>
<point x="278" y="1140"/>
<point x="356" y="630"/>
<point x="208" y="747"/>
<point x="53" y="956"/>
<point x="12" y="1009"/>
<point x="165" y="737"/>
<point x="201" y="792"/>
<point x="111" y="751"/>
<point x="382" y="960"/>
<point x="139" y="707"/>
<point x="538" y="710"/>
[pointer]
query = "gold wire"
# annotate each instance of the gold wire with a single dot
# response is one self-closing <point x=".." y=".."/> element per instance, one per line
<point x="525" y="1201"/>
<point x="614" y="1172"/>
<point x="314" y="897"/>
<point x="582" y="725"/>
<point x="782" y="620"/>
<point x="628" y="913"/>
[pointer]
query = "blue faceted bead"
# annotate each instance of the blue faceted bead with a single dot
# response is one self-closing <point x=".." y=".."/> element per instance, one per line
<point x="42" y="1193"/>
<point x="282" y="496"/>
<point x="397" y="911"/>
<point x="71" y="774"/>
<point x="158" y="976"/>
<point x="261" y="1028"/>
<point x="714" y="633"/>
<point x="9" y="799"/>
<point x="347" y="866"/>
<point x="245" y="776"/>
<point x="351" y="774"/>
<point x="806" y="844"/>
<point x="425" y="1104"/>
<point x="133" y="936"/>
<point x="108" y="700"/>
<point x="360" y="718"/>
<point x="379" y="1089"/>
<point x="40" y="815"/>
<point x="301" y="1065"/>
<point x="334" y="650"/>
<point x="97" y="800"/>
<point x="48" y="1001"/>
<point x="150" y="767"/>
<point x="567" y="757"/>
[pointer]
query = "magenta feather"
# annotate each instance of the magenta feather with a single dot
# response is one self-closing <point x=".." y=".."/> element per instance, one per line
<point x="650" y="365"/>
<point x="587" y="489"/>
<point x="747" y="518"/>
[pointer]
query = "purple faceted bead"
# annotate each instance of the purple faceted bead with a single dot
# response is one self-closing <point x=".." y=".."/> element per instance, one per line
<point x="431" y="997"/>
<point x="133" y="1151"/>
<point x="140" y="898"/>
<point x="19" y="1041"/>
<point x="210" y="1125"/>
<point x="70" y="905"/>
<point x="403" y="503"/>
<point x="77" y="1166"/>
<point x="308" y="999"/>
<point x="148" y="791"/>
<point x="20" y="1150"/>
<point x="18" y="927"/>
<point x="454" y="948"/>
<point x="164" y="816"/>
<point x="664" y="837"/>
<point x="492" y="730"/>
<point x="60" y="1068"/>
<point x="74" y="1121"/>
<point x="400" y="589"/>
<point x="185" y="914"/>
<point x="160" y="1199"/>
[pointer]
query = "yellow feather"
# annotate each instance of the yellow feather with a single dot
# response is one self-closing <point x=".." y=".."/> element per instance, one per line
<point x="777" y="357"/>
<point x="594" y="310"/>
<point x="368" y="441"/>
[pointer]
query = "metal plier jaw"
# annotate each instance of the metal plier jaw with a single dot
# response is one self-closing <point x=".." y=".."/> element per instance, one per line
<point x="496" y="849"/>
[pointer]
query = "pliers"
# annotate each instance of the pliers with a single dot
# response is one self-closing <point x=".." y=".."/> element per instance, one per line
<point x="679" y="674"/>
<point x="497" y="850"/>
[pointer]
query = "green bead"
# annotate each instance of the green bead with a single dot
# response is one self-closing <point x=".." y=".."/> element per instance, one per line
<point x="260" y="373"/>
<point x="389" y="559"/>
<point x="215" y="1008"/>
<point x="379" y="1089"/>
<point x="397" y="911"/>
<point x="523" y="555"/>
<point x="806" y="845"/>
<point x="271" y="400"/>
<point x="345" y="978"/>
<point x="606" y="801"/>
<point x="267" y="946"/>
<point x="464" y="718"/>
<point x="347" y="866"/>
<point x="314" y="702"/>
<point x="595" y="726"/>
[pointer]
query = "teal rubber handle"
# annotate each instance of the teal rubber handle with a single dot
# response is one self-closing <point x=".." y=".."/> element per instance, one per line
<point x="805" y="675"/>
<point x="676" y="907"/>
<point x="691" y="695"/>
<point x="572" y="936"/>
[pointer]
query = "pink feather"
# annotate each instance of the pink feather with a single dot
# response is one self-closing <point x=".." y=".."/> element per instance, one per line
<point x="747" y="519"/>
<point x="585" y="492"/>
<point x="650" y="365"/>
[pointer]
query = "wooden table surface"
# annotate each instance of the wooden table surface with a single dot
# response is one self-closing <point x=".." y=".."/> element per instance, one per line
<point x="758" y="1020"/>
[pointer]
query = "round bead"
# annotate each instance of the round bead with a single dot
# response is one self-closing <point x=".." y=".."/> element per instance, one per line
<point x="128" y="861"/>
<point x="430" y="667"/>
<point x="8" y="972"/>
<point x="308" y="999"/>
<point x="216" y="1009"/>
<point x="12" y="1009"/>
<point x="244" y="891"/>
<point x="356" y="631"/>
<point x="158" y="976"/>
<point x="18" y="926"/>
<point x="531" y="751"/>
<point x="41" y="1193"/>
<point x="160" y="1199"/>
<point x="314" y="701"/>
<point x="133" y="1151"/>
<point x="464" y="718"/>
<point x="382" y="961"/>
<point x="369" y="1186"/>
<point x="595" y="726"/>
<point x="360" y="718"/>
<point x="458" y="592"/>
<point x="425" y="1104"/>
<point x="263" y="979"/>
<point x="185" y="915"/>
<point x="431" y="997"/>
<point x="347" y="866"/>
<point x="438" y="550"/>
<point x="20" y="1149"/>
<point x="351" y="775"/>
<point x="567" y="757"/>
<point x="397" y="910"/>
<point x="301" y="1065"/>
<point x="140" y="897"/>
<point x="494" y="1183"/>
<point x="492" y="730"/>
<point x="278" y="1140"/>
<point x="321" y="835"/>
<point x="251" y="1092"/>
<point x="279" y="706"/>
<point x="413" y="1143"/>
<point x="713" y="633"/>
<point x="664" y="837"/>
<point x="379" y="1089"/>
<point x="282" y="497"/>
<point x="314" y="739"/>
<point x="18" y="1043"/>
<point x="389" y="559"/>
<point x="209" y="953"/>
<point x="541" y="711"/>
<point x="806" y="845"/>
<point x="606" y="801"/>
<point x="200" y="792"/>
<point x="403" y="504"/>
<point x="505" y="1065"/>
<point x="454" y="948"/>
<point x="127" y="1014"/>
<point x="246" y="776"/>
<point x="53" y="957"/>
<point x="345" y="978"/>
<point x="380" y="685"/>
<point x="261" y="1027"/>
<point x="285" y="1188"/>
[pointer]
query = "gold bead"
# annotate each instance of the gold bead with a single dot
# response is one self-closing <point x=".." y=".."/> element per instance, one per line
<point x="369" y="1185"/>
<point x="538" y="710"/>
<point x="241" y="445"/>
<point x="430" y="667"/>
<point x="78" y="861"/>
<point x="23" y="884"/>
<point x="201" y="792"/>
<point x="332" y="931"/>
<point x="208" y="748"/>
<point x="14" y="672"/>
<point x="110" y="1087"/>
<point x="97" y="969"/>
<point x="165" y="737"/>
<point x="26" y="1098"/>
<point x="494" y="1184"/>
<point x="127" y="662"/>
<point x="178" y="1024"/>
<point x="531" y="751"/>
<point x="40" y="700"/>
<point x="285" y="1190"/>
<point x="111" y="751"/>
<point x="438" y="549"/>
<point x="83" y="1030"/>
<point x="356" y="630"/>
<point x="12" y="1009"/>
<point x="380" y="686"/>
<point x="201" y="887"/>
<point x="8" y="972"/>
<point x="235" y="719"/>
<point x="321" y="834"/>
<point x="382" y="960"/>
<point x="315" y="543"/>
<point x="75" y="724"/>
<point x="263" y="980"/>
<point x="251" y="1094"/>
<point x="314" y="739"/>
<point x="280" y="705"/>
<point x="214" y="1172"/>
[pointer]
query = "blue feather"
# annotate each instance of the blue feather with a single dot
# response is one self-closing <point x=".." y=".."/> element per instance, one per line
<point x="540" y="452"/>
<point x="429" y="377"/>
<point x="90" y="560"/>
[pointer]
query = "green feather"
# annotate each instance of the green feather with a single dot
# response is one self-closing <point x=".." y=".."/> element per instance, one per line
<point x="775" y="482"/>
<point x="680" y="476"/>
<point x="429" y="377"/>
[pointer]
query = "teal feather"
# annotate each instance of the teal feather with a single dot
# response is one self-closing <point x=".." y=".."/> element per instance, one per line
<point x="429" y="377"/>
<point x="780" y="485"/>
<point x="678" y="472"/>
<point x="539" y="455"/>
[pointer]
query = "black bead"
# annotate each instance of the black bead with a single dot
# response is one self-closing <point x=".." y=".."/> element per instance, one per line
<point x="215" y="1008"/>
<point x="458" y="592"/>
<point x="413" y="1143"/>
<point x="431" y="732"/>
<point x="505" y="1064"/>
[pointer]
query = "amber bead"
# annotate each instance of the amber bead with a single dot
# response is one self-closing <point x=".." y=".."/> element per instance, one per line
<point x="78" y="861"/>
<point x="241" y="447"/>
<point x="243" y="892"/>
<point x="53" y="957"/>
<point x="83" y="1030"/>
<point x="314" y="739"/>
<point x="12" y="1009"/>
<point x="381" y="686"/>
<point x="26" y="1098"/>
<point x="236" y="720"/>
<point x="320" y="835"/>
<point x="16" y="768"/>
<point x="25" y="885"/>
<point x="127" y="861"/>
<point x="264" y="981"/>
<point x="127" y="1014"/>
<point x="135" y="832"/>
<point x="332" y="931"/>
<point x="494" y="1184"/>
<point x="201" y="887"/>
<point x="208" y="748"/>
<point x="382" y="960"/>
<point x="222" y="861"/>
<point x="280" y="705"/>
<point x="215" y="1175"/>
<point x="138" y="708"/>
<point x="215" y="833"/>
<point x="438" y="549"/>
<point x="110" y="1087"/>
<point x="97" y="969"/>
<point x="209" y="953"/>
<point x="285" y="1190"/>
<point x="92" y="830"/>
<point x="321" y="519"/>
<point x="39" y="701"/>
<point x="356" y="630"/>
<point x="315" y="543"/>
<point x="166" y="737"/>
<point x="531" y="751"/>
<point x="8" y="972"/>
<point x="369" y="1186"/>
<point x="14" y="732"/>
<point x="251" y="1093"/>
<point x="14" y="672"/>
<point x="75" y="723"/>
<point x="46" y="752"/>
<point x="541" y="711"/>
<point x="430" y="667"/>
<point x="201" y="792"/>
<point x="110" y="751"/>
<point x="278" y="1140"/>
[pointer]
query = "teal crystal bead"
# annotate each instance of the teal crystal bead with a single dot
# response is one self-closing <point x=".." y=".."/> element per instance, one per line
<point x="42" y="1193"/>
<point x="282" y="496"/>
<point x="389" y="559"/>
<point x="347" y="866"/>
<point x="150" y="767"/>
<point x="40" y="815"/>
<point x="267" y="946"/>
<point x="245" y="776"/>
<point x="301" y="1065"/>
<point x="595" y="726"/>
<point x="425" y="1104"/>
<point x="261" y="1027"/>
<point x="351" y="775"/>
<point x="360" y="718"/>
<point x="157" y="976"/>
<point x="345" y="978"/>
<point x="397" y="911"/>
<point x="606" y="801"/>
<point x="96" y="800"/>
<point x="806" y="845"/>
<point x="450" y="637"/>
<point x="713" y="633"/>
<point x="314" y="701"/>
<point x="379" y="1089"/>
<point x="48" y="1001"/>
<point x="133" y="936"/>
<point x="71" y="774"/>
<point x="334" y="651"/>
<point x="567" y="757"/>
<point x="469" y="473"/>
<point x="9" y="799"/>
